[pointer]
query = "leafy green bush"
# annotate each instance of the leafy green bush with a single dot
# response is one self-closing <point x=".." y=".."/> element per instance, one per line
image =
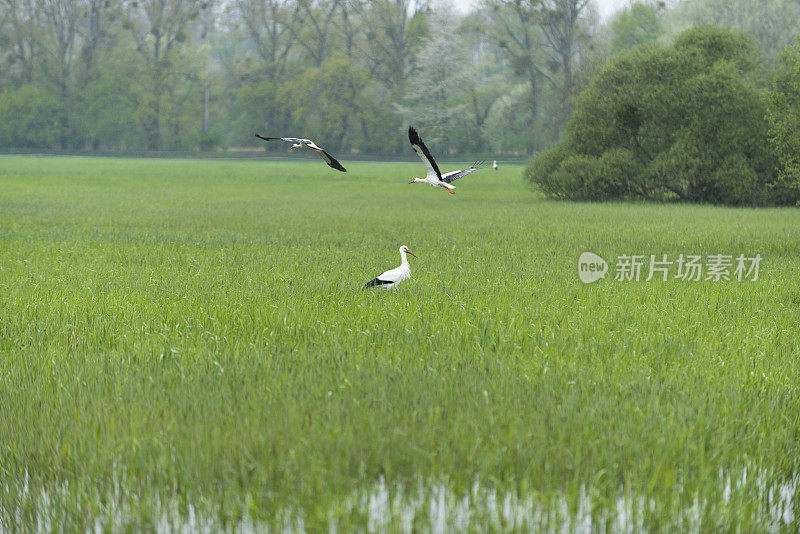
<point x="581" y="177"/>
<point x="618" y="174"/>
<point x="578" y="174"/>
<point x="783" y="115"/>
<point x="680" y="122"/>
<point x="543" y="167"/>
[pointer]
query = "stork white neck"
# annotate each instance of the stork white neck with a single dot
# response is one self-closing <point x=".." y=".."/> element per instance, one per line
<point x="403" y="259"/>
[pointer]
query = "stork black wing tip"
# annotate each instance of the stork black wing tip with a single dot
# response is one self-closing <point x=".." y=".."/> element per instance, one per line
<point x="333" y="162"/>
<point x="376" y="282"/>
<point x="338" y="166"/>
<point x="413" y="136"/>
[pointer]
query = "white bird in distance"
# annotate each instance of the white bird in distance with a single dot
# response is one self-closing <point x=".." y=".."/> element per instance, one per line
<point x="434" y="177"/>
<point x="391" y="278"/>
<point x="307" y="143"/>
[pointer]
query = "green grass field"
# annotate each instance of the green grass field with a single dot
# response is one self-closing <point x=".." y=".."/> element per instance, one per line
<point x="186" y="344"/>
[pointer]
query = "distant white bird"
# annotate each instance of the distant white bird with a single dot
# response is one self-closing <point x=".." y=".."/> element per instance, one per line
<point x="494" y="164"/>
<point x="434" y="177"/>
<point x="390" y="279"/>
<point x="307" y="143"/>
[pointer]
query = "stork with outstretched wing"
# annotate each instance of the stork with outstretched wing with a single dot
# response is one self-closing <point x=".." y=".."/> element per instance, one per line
<point x="434" y="176"/>
<point x="307" y="143"/>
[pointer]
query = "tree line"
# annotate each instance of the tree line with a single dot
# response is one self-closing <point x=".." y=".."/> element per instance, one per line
<point x="189" y="74"/>
<point x="204" y="74"/>
<point x="186" y="74"/>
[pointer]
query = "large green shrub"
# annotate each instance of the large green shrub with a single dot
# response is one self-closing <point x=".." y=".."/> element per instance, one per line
<point x="783" y="115"/>
<point x="680" y="122"/>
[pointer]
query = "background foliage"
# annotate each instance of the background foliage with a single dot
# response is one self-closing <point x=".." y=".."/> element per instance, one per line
<point x="684" y="121"/>
<point x="504" y="78"/>
<point x="132" y="75"/>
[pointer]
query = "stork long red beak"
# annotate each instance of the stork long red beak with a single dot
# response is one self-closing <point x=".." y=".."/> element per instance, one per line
<point x="411" y="182"/>
<point x="409" y="252"/>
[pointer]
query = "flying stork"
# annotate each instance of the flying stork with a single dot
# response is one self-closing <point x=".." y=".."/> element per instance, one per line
<point x="307" y="143"/>
<point x="434" y="177"/>
<point x="390" y="279"/>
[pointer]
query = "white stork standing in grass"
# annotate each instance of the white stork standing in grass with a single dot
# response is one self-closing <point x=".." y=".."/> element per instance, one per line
<point x="434" y="177"/>
<point x="390" y="279"/>
<point x="307" y="143"/>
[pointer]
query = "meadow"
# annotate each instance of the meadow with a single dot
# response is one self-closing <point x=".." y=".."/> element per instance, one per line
<point x="186" y="345"/>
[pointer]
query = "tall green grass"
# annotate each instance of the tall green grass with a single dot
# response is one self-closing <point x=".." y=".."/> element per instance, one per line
<point x="184" y="339"/>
